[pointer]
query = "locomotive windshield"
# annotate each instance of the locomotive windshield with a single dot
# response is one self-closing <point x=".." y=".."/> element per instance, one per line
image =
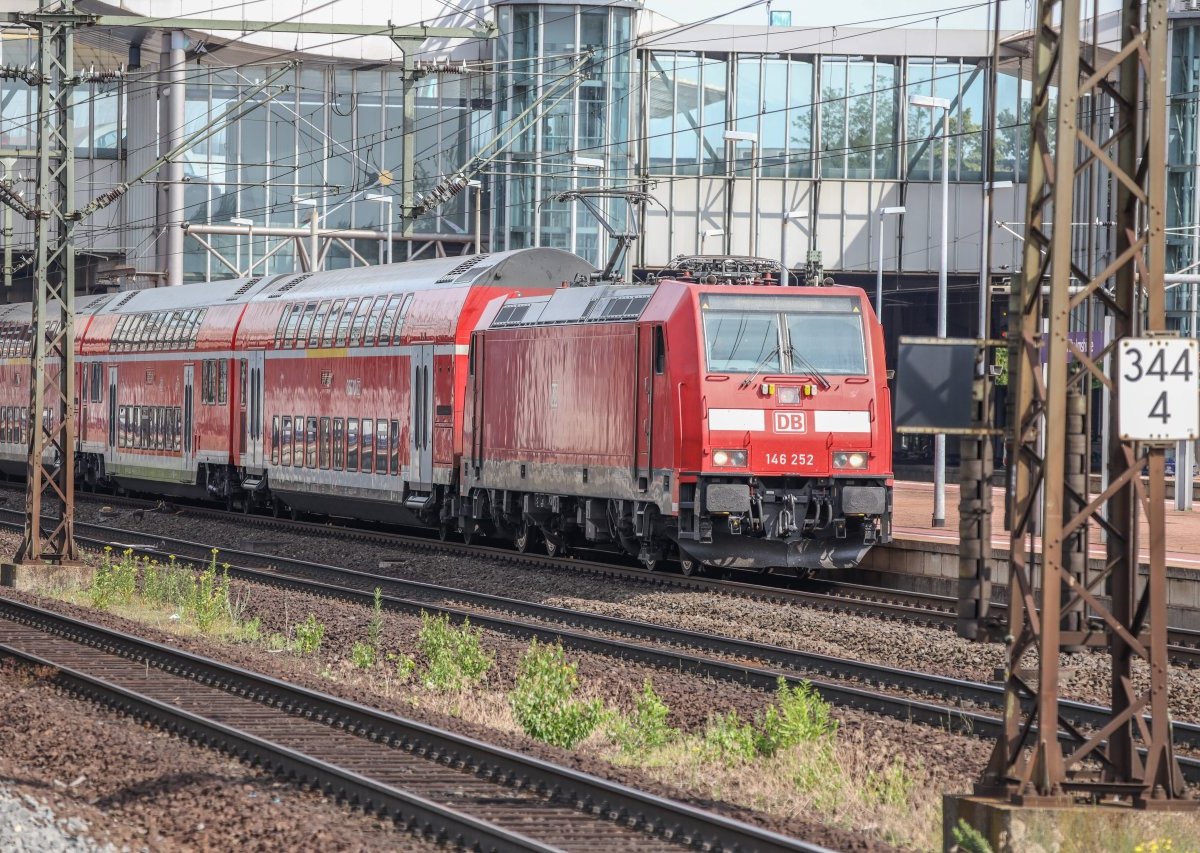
<point x="783" y="334"/>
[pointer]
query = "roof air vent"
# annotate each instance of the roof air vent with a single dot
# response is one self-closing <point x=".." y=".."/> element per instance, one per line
<point x="462" y="268"/>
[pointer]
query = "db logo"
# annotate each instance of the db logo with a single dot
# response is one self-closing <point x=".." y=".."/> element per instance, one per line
<point x="790" y="422"/>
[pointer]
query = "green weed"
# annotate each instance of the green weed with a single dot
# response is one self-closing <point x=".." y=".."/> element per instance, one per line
<point x="729" y="739"/>
<point x="543" y="701"/>
<point x="798" y="715"/>
<point x="309" y="635"/>
<point x="363" y="655"/>
<point x="646" y="728"/>
<point x="454" y="654"/>
<point x="969" y="839"/>
<point x="405" y="665"/>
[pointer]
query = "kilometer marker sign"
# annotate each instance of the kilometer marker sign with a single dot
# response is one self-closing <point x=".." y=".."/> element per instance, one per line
<point x="1159" y="389"/>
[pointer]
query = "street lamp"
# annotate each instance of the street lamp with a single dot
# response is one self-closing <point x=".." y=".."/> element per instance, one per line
<point x="249" y="223"/>
<point x="939" y="440"/>
<point x="791" y="216"/>
<point x="385" y="199"/>
<point x="883" y="211"/>
<point x="736" y="136"/>
<point x="712" y="232"/>
<point x="313" y="239"/>
<point x="477" y="186"/>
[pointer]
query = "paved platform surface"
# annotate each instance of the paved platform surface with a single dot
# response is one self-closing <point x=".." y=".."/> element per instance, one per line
<point x="913" y="508"/>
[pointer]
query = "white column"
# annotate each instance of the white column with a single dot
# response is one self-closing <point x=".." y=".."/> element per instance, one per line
<point x="176" y="78"/>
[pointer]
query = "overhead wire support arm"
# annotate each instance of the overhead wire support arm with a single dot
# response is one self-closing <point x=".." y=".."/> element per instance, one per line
<point x="632" y="198"/>
<point x="232" y="113"/>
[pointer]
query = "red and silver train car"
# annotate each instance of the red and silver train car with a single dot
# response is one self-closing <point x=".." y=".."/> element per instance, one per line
<point x="729" y="424"/>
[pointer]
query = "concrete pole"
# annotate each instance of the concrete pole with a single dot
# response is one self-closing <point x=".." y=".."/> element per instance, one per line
<point x="754" y="199"/>
<point x="478" y="219"/>
<point x="390" y="242"/>
<point x="176" y="119"/>
<point x="879" y="273"/>
<point x="939" y="440"/>
<point x="314" y="240"/>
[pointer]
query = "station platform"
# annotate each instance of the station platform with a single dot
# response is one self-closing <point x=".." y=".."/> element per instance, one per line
<point x="913" y="520"/>
<point x="923" y="558"/>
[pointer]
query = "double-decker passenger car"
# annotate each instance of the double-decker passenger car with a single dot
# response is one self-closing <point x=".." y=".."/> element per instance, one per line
<point x="710" y="415"/>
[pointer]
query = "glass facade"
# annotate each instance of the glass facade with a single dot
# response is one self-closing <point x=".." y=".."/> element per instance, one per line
<point x="334" y="136"/>
<point x="537" y="49"/>
<point x="855" y="120"/>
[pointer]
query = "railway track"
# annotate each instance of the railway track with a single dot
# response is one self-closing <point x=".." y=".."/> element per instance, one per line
<point x="920" y="608"/>
<point x="759" y="665"/>
<point x="440" y="785"/>
<point x="926" y="609"/>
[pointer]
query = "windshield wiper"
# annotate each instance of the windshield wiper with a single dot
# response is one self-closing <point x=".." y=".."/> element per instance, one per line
<point x="762" y="362"/>
<point x="816" y="374"/>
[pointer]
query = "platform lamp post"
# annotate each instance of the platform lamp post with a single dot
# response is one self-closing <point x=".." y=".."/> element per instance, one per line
<point x="477" y="191"/>
<point x="249" y="223"/>
<point x="884" y="212"/>
<point x="385" y="200"/>
<point x="736" y="136"/>
<point x="939" y="440"/>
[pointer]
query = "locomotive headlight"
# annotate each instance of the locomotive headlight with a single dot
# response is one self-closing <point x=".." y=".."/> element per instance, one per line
<point x="853" y="459"/>
<point x="729" y="458"/>
<point x="788" y="396"/>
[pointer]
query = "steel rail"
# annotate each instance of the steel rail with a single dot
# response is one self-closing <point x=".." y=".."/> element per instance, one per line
<point x="302" y="576"/>
<point x="588" y="794"/>
<point x="922" y="608"/>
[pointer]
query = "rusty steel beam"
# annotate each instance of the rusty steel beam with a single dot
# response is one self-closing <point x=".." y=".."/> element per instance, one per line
<point x="1055" y="606"/>
<point x="50" y="502"/>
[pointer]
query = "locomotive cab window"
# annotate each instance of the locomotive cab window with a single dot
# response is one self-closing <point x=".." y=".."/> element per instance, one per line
<point x="783" y="334"/>
<point x="660" y="351"/>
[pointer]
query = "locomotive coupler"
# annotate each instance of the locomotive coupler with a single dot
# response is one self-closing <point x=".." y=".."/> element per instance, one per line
<point x="756" y="514"/>
<point x="735" y="525"/>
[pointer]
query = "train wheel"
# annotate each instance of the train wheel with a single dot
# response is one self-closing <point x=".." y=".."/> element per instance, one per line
<point x="526" y="537"/>
<point x="556" y="547"/>
<point x="276" y="508"/>
<point x="690" y="566"/>
<point x="470" y="532"/>
<point x="652" y="564"/>
<point x="444" y="531"/>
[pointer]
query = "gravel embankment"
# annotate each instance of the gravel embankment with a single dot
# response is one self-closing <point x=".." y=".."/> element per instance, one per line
<point x="82" y="778"/>
<point x="951" y="759"/>
<point x="1085" y="676"/>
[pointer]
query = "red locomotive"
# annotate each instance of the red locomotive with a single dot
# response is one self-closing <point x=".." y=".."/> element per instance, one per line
<point x="710" y="415"/>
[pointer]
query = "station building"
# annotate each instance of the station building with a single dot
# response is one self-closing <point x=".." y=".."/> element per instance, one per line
<point x="564" y="96"/>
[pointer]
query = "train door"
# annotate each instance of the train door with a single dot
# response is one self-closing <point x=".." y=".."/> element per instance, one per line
<point x="643" y="407"/>
<point x="254" y="410"/>
<point x="188" y="447"/>
<point x="421" y="425"/>
<point x="113" y="426"/>
<point x="83" y="390"/>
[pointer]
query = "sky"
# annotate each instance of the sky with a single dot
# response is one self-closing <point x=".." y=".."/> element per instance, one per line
<point x="1015" y="14"/>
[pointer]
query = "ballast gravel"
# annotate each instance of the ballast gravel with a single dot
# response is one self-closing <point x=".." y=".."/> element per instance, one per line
<point x="28" y="826"/>
<point x="1085" y="677"/>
